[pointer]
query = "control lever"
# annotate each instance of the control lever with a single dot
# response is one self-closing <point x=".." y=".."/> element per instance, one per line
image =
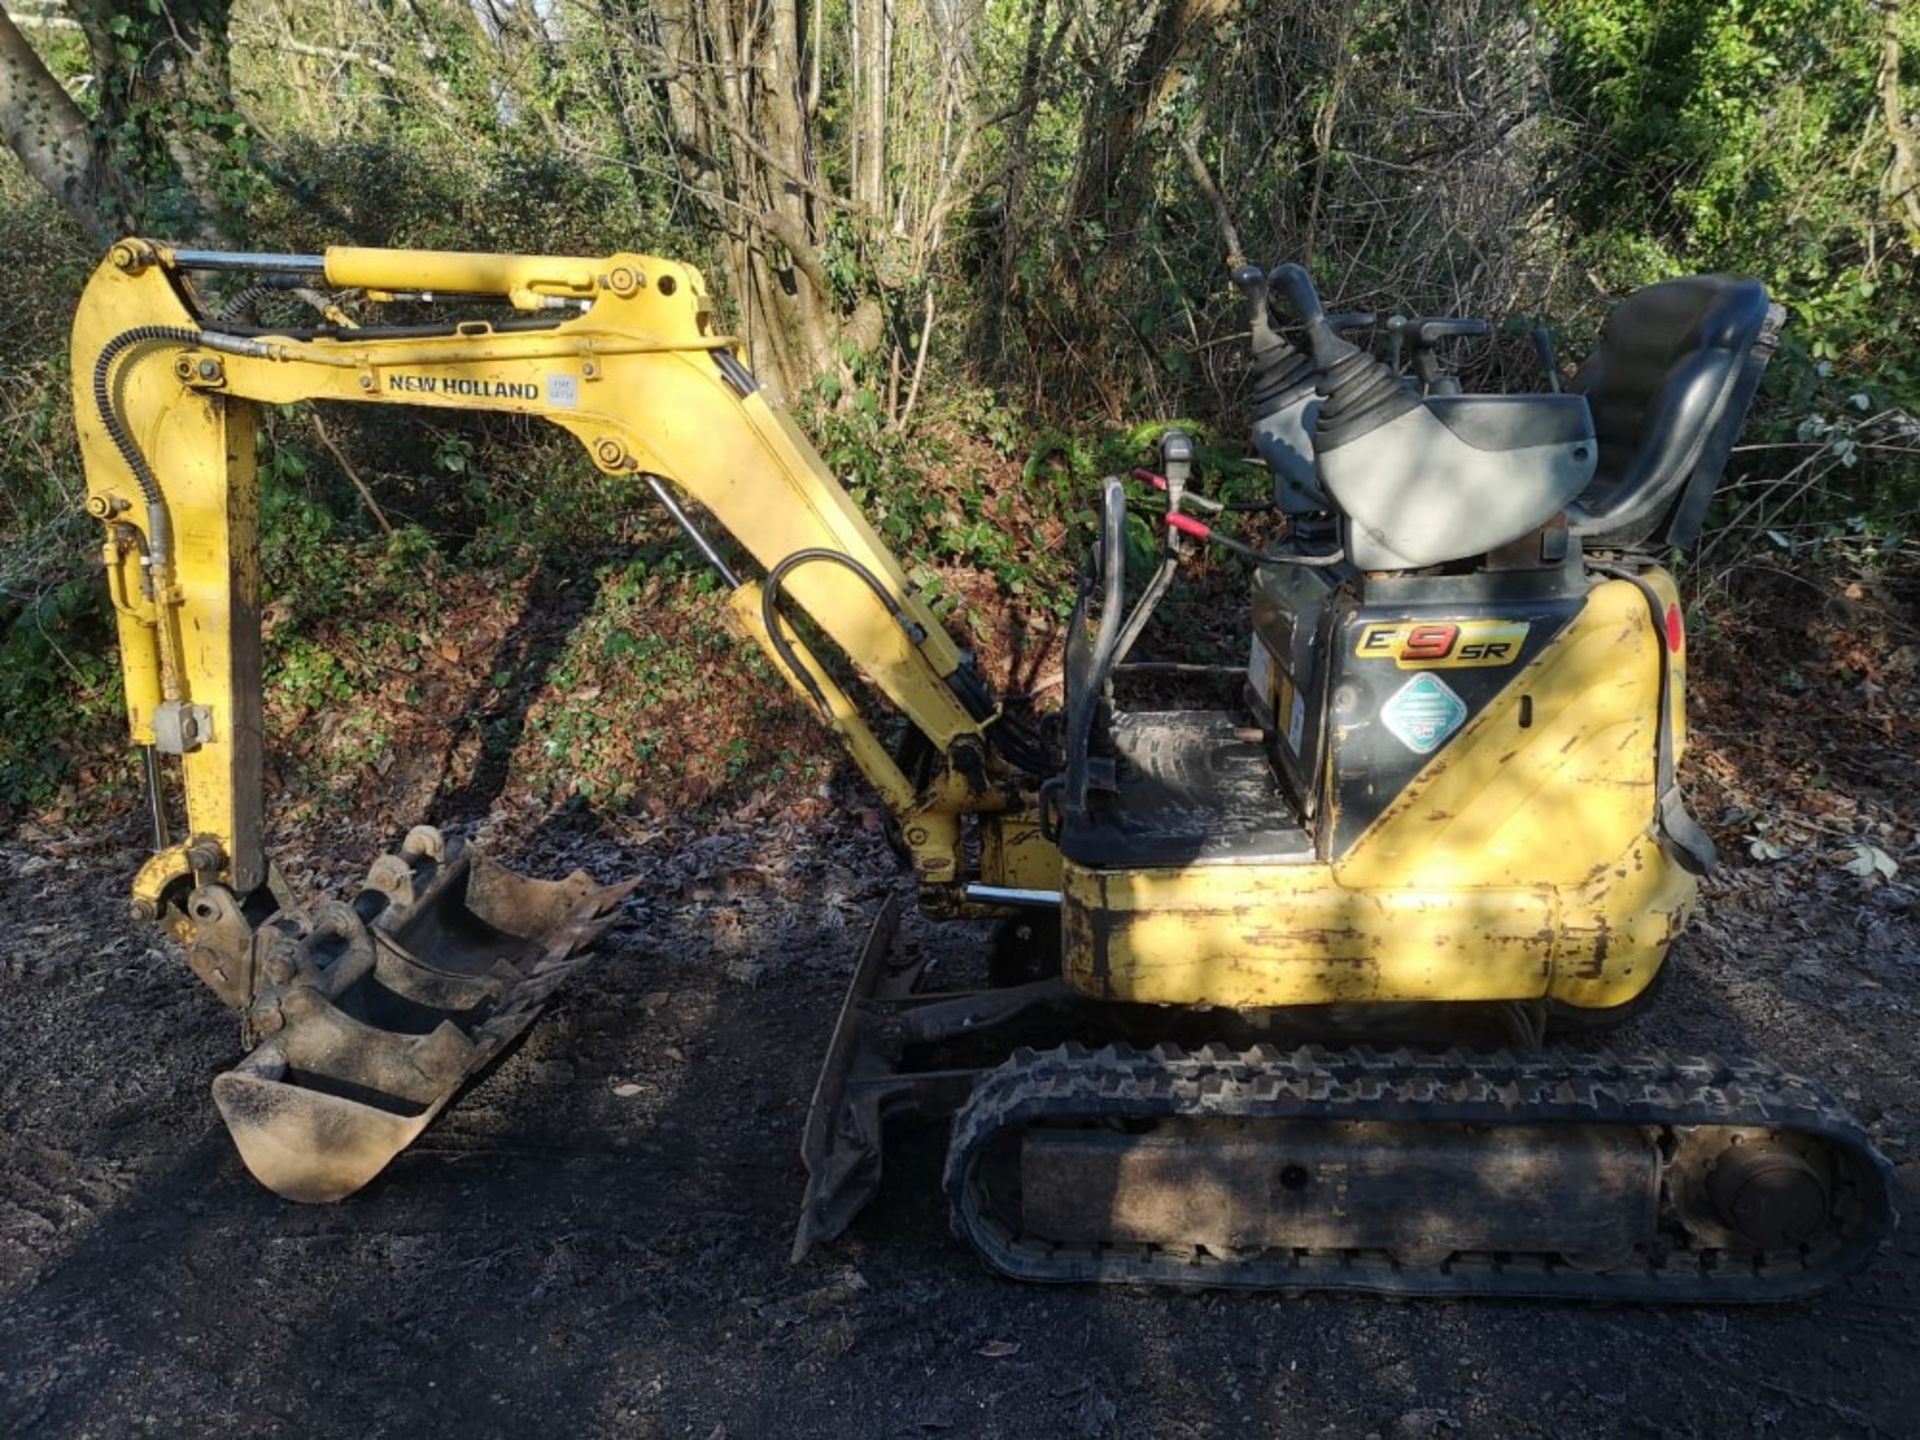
<point x="1427" y="332"/>
<point x="1360" y="393"/>
<point x="1284" y="400"/>
<point x="1176" y="464"/>
<point x="1282" y="376"/>
<point x="1267" y="346"/>
<point x="1543" y="347"/>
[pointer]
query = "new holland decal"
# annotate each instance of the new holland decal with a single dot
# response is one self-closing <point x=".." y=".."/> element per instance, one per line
<point x="464" y="388"/>
<point x="1443" y="644"/>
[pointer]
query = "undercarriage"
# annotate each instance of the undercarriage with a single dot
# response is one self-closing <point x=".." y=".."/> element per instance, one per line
<point x="1537" y="1172"/>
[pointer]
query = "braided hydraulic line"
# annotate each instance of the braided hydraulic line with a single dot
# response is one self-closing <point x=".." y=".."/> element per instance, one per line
<point x="160" y="525"/>
<point x="159" y="519"/>
<point x="235" y="308"/>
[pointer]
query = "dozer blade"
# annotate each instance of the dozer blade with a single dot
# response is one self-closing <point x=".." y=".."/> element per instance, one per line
<point x="867" y="1080"/>
<point x="371" y="1016"/>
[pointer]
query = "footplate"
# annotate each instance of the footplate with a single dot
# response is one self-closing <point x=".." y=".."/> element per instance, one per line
<point x="1579" y="1176"/>
<point x="370" y="1016"/>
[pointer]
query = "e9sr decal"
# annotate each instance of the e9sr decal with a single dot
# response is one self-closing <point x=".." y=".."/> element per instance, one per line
<point x="1443" y="644"/>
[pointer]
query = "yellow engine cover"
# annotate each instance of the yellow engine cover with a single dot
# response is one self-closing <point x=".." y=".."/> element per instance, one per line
<point x="1520" y="863"/>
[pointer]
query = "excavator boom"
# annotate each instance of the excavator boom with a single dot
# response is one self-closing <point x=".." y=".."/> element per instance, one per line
<point x="367" y="1015"/>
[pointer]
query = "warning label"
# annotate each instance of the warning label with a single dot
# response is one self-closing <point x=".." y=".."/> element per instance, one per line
<point x="1422" y="713"/>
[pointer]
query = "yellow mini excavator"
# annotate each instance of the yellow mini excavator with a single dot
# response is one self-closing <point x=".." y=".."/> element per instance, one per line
<point x="1244" y="948"/>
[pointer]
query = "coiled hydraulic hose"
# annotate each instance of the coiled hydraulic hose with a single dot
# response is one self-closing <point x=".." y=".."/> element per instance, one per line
<point x="235" y="309"/>
<point x="770" y="618"/>
<point x="159" y="523"/>
<point x="1010" y="739"/>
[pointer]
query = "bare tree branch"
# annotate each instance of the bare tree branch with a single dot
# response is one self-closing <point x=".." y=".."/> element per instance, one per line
<point x="1203" y="181"/>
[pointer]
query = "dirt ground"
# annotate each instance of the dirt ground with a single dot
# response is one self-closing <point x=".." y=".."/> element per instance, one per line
<point x="593" y="1241"/>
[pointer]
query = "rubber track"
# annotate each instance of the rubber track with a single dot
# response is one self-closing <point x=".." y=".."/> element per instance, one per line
<point x="1455" y="1086"/>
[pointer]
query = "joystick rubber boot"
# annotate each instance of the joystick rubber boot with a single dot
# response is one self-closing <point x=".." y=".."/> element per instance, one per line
<point x="1359" y="394"/>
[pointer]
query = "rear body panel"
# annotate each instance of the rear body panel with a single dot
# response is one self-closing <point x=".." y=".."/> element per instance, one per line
<point x="1515" y="860"/>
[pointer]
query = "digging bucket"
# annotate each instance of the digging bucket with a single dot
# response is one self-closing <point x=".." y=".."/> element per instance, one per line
<point x="370" y="1016"/>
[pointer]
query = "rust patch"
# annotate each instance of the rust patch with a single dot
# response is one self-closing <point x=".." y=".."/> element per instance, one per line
<point x="1593" y="953"/>
<point x="1323" y="938"/>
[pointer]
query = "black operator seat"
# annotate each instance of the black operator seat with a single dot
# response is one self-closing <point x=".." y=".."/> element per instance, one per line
<point x="1669" y="388"/>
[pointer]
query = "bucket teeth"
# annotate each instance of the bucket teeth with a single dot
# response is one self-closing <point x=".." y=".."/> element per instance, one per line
<point x="371" y="1016"/>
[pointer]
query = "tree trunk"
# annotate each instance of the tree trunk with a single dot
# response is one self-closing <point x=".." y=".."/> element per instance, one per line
<point x="737" y="110"/>
<point x="1006" y="228"/>
<point x="870" y="179"/>
<point x="166" y="99"/>
<point x="42" y="125"/>
<point x="1109" y="132"/>
<point x="1903" y="168"/>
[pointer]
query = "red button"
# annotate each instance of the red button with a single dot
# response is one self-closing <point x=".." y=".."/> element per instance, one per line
<point x="1676" y="629"/>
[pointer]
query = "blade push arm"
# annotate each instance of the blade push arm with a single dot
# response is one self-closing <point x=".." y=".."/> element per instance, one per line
<point x="622" y="353"/>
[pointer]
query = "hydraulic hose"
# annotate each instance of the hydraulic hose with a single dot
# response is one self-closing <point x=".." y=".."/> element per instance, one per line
<point x="1202" y="531"/>
<point x="770" y="619"/>
<point x="1012" y="740"/>
<point x="235" y="309"/>
<point x="159" y="519"/>
<point x="159" y="522"/>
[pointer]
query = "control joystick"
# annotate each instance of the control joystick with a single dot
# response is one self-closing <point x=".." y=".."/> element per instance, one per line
<point x="1285" y="400"/>
<point x="1435" y="479"/>
<point x="1281" y="374"/>
<point x="1359" y="394"/>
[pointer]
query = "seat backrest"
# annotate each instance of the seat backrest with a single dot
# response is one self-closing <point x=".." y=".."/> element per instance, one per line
<point x="1669" y="388"/>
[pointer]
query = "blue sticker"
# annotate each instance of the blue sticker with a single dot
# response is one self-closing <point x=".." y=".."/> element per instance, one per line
<point x="1423" y="713"/>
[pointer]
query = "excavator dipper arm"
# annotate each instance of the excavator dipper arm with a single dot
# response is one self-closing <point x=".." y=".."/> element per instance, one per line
<point x="369" y="1015"/>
